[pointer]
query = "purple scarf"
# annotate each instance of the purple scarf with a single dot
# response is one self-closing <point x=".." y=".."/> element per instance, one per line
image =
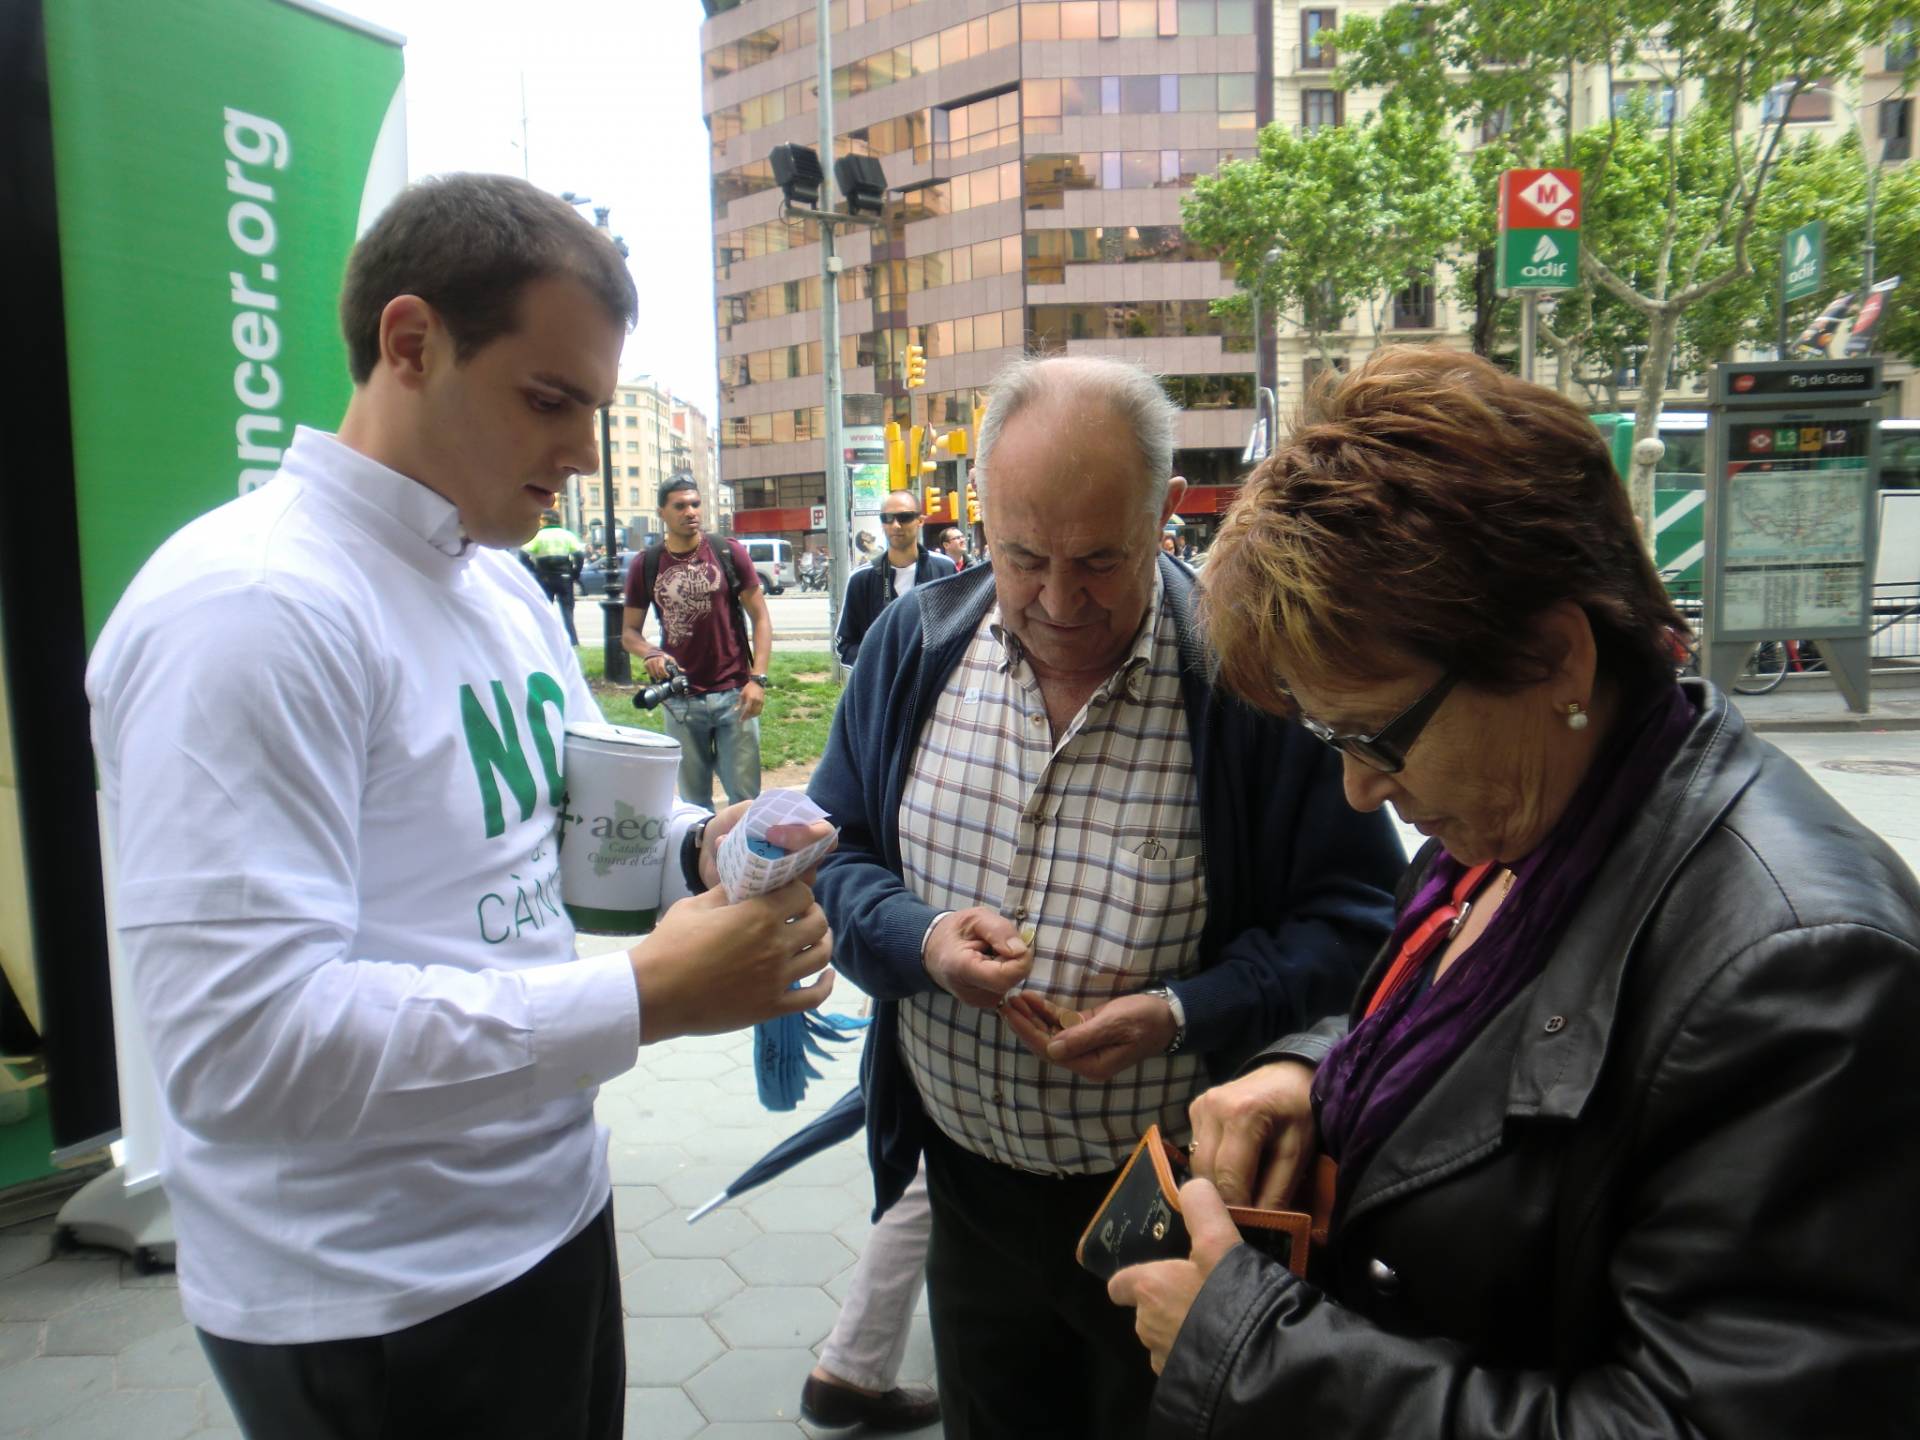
<point x="1371" y="1079"/>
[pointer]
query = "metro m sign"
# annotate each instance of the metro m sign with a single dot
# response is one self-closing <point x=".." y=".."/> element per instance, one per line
<point x="1540" y="200"/>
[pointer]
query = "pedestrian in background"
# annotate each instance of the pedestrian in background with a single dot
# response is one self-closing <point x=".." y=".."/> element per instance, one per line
<point x="904" y="564"/>
<point x="715" y="627"/>
<point x="557" y="556"/>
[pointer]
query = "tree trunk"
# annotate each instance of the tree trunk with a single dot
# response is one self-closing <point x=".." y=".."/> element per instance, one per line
<point x="1662" y="327"/>
<point x="1486" y="305"/>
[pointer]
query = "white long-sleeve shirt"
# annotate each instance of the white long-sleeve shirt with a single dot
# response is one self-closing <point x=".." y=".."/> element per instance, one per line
<point x="330" y="734"/>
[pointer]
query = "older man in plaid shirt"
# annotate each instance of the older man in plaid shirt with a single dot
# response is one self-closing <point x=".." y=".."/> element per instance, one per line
<point x="1049" y="815"/>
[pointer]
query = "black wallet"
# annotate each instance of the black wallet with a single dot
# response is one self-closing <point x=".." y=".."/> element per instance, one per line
<point x="1140" y="1218"/>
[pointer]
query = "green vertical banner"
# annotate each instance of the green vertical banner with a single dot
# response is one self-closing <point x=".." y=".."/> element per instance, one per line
<point x="1803" y="254"/>
<point x="214" y="161"/>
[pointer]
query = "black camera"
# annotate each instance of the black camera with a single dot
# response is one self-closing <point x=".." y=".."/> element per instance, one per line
<point x="648" y="697"/>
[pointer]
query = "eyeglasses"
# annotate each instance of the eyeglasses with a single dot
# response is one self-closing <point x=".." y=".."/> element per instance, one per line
<point x="903" y="517"/>
<point x="1386" y="749"/>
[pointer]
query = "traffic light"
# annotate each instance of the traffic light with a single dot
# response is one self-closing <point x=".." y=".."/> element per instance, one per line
<point x="936" y="502"/>
<point x="916" y="366"/>
<point x="896" y="457"/>
<point x="916" y="452"/>
<point x="953" y="444"/>
<point x="973" y="506"/>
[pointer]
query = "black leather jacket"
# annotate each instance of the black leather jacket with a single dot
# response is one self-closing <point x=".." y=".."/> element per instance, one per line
<point x="1673" y="1190"/>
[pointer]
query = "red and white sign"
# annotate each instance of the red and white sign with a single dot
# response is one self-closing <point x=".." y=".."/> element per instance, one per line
<point x="817" y="517"/>
<point x="1540" y="200"/>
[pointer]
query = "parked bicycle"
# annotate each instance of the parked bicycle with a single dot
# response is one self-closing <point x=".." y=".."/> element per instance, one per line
<point x="1765" y="666"/>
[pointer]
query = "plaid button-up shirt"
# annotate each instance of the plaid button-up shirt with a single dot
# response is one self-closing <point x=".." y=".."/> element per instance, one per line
<point x="1092" y="844"/>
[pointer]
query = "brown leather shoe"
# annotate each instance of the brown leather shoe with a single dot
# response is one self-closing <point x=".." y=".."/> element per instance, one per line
<point x="905" y="1407"/>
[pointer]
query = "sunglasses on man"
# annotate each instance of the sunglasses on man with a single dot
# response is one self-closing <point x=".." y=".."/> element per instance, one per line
<point x="1386" y="749"/>
<point x="899" y="517"/>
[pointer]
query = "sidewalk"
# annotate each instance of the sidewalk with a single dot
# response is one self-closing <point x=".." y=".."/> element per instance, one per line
<point x="723" y="1317"/>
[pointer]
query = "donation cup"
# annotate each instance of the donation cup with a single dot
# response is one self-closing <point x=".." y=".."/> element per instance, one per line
<point x="613" y="840"/>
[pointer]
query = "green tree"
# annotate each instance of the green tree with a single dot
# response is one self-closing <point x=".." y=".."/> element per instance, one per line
<point x="1316" y="225"/>
<point x="1469" y="59"/>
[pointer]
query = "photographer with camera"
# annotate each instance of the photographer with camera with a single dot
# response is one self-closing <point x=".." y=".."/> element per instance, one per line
<point x="704" y="590"/>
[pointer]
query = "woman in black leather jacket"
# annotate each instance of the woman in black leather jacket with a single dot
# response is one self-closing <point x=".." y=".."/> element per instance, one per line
<point x="1627" y="1113"/>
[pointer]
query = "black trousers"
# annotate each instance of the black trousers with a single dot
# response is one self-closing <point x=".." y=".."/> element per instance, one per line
<point x="544" y="1355"/>
<point x="1026" y="1343"/>
<point x="559" y="589"/>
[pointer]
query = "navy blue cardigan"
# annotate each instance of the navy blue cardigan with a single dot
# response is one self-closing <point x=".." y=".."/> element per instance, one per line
<point x="1299" y="886"/>
<point x="870" y="591"/>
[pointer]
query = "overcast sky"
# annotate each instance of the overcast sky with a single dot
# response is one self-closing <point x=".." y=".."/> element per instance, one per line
<point x="613" y="111"/>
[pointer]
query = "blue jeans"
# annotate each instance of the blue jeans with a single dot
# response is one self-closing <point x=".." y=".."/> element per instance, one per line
<point x="714" y="740"/>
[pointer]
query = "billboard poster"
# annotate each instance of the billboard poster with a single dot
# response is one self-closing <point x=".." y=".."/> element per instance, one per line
<point x="867" y="479"/>
<point x="214" y="161"/>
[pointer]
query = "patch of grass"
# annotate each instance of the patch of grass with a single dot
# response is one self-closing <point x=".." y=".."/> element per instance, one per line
<point x="793" y="727"/>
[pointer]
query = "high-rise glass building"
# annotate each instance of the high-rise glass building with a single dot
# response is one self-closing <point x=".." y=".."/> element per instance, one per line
<point x="1037" y="153"/>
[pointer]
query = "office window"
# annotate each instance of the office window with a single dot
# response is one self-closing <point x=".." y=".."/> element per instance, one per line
<point x="1236" y="92"/>
<point x="1808" y="107"/>
<point x="1313" y="54"/>
<point x="1413" y="307"/>
<point x="1196" y="17"/>
<point x="1900" y="44"/>
<point x="1080" y="95"/>
<point x="1660" y="99"/>
<point x="1140" y="95"/>
<point x="1079" y="20"/>
<point x="1320" y="107"/>
<point x="1234" y="17"/>
<point x="1896" y="129"/>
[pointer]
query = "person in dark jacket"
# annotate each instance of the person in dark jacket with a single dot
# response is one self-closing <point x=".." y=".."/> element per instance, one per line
<point x="1627" y="1112"/>
<point x="1080" y="884"/>
<point x="904" y="564"/>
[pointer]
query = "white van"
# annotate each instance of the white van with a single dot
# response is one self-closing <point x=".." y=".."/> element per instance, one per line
<point x="772" y="560"/>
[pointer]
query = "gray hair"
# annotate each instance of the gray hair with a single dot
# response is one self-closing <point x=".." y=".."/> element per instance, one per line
<point x="1133" y="394"/>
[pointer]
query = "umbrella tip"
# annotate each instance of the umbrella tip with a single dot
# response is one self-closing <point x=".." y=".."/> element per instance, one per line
<point x="715" y="1203"/>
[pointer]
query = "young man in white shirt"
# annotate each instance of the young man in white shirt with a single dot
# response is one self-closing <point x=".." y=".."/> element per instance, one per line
<point x="330" y="718"/>
<point x="904" y="564"/>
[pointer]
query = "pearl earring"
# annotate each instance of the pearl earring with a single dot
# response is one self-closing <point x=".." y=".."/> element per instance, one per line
<point x="1576" y="715"/>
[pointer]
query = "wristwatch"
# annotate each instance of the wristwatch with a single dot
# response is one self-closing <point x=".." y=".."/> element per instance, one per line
<point x="690" y="849"/>
<point x="759" y="680"/>
<point x="1162" y="992"/>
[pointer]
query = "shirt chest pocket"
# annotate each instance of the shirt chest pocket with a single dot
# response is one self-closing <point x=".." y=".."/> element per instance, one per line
<point x="1155" y="907"/>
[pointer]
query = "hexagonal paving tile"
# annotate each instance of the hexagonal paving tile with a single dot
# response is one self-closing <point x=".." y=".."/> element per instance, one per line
<point x="692" y="1064"/>
<point x="23" y="1252"/>
<point x="790" y="1260"/>
<point x="109" y="1324"/>
<point x="679" y="1287"/>
<point x="19" y="1340"/>
<point x="57" y="1287"/>
<point x="150" y="1414"/>
<point x="40" y="1392"/>
<point x="171" y="1360"/>
<point x="775" y="1316"/>
<point x="665" y="1350"/>
<point x="753" y="1430"/>
<point x="637" y="1206"/>
<point x="629" y="1253"/>
<point x="717" y="1233"/>
<point x="662" y="1413"/>
<point x="782" y="1208"/>
<point x="698" y="1184"/>
<point x="752" y="1385"/>
<point x="645" y="1164"/>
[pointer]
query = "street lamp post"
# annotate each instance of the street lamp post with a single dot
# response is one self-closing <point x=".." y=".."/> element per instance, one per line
<point x="616" y="668"/>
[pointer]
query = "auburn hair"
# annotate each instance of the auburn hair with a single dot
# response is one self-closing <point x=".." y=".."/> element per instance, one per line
<point x="1431" y="505"/>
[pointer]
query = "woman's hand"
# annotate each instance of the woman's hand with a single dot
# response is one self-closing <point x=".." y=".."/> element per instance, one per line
<point x="1255" y="1137"/>
<point x="1163" y="1292"/>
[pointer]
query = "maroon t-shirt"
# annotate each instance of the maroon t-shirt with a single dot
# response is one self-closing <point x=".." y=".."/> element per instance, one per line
<point x="696" y="619"/>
